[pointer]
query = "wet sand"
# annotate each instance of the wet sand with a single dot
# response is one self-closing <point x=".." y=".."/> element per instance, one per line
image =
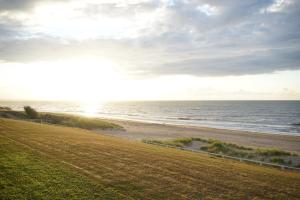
<point x="141" y="130"/>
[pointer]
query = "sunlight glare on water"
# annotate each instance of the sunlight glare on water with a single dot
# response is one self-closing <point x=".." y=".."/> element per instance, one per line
<point x="90" y="109"/>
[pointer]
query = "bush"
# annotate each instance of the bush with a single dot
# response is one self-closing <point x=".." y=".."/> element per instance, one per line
<point x="30" y="112"/>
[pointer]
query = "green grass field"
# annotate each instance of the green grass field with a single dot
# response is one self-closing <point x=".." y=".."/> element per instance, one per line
<point x="41" y="161"/>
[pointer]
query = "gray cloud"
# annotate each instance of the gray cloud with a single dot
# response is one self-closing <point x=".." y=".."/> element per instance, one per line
<point x="253" y="63"/>
<point x="243" y="37"/>
<point x="16" y="4"/>
<point x="22" y="5"/>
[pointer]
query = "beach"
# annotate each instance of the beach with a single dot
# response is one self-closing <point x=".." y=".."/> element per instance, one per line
<point x="136" y="130"/>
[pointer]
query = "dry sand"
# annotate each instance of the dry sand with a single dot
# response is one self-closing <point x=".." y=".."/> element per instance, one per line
<point x="141" y="130"/>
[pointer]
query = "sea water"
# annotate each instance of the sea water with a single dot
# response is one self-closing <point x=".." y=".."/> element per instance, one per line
<point x="278" y="117"/>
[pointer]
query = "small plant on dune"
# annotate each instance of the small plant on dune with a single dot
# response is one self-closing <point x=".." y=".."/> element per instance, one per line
<point x="277" y="160"/>
<point x="215" y="146"/>
<point x="238" y="146"/>
<point x="30" y="112"/>
<point x="218" y="147"/>
<point x="272" y="152"/>
<point x="175" y="143"/>
<point x="200" y="139"/>
<point x="184" y="141"/>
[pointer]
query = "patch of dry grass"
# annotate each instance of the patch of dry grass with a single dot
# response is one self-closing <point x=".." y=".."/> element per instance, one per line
<point x="142" y="171"/>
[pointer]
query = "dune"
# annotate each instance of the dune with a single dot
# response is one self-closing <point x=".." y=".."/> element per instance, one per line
<point x="136" y="130"/>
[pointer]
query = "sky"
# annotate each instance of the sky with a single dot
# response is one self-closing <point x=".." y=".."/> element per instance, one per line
<point x="114" y="50"/>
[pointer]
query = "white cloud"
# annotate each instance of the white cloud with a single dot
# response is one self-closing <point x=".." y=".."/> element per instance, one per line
<point x="208" y="9"/>
<point x="278" y="5"/>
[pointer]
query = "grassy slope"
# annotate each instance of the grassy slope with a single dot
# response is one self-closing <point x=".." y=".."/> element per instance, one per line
<point x="115" y="167"/>
<point x="62" y="119"/>
<point x="26" y="175"/>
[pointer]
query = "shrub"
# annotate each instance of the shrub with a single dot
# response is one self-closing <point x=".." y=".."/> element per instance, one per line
<point x="30" y="112"/>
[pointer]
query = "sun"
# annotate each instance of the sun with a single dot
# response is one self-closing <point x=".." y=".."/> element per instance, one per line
<point x="95" y="79"/>
<point x="84" y="80"/>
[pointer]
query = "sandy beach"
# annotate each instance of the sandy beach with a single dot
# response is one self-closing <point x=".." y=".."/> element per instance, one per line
<point x="136" y="130"/>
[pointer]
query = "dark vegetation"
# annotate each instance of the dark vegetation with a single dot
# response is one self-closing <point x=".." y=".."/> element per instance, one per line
<point x="32" y="115"/>
<point x="272" y="152"/>
<point x="181" y="142"/>
<point x="4" y="108"/>
<point x="273" y="155"/>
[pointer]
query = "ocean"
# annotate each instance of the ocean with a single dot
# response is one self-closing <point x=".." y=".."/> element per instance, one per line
<point x="277" y="117"/>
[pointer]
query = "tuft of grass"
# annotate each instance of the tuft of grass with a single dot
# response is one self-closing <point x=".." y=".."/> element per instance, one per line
<point x="201" y="140"/>
<point x="176" y="143"/>
<point x="272" y="152"/>
<point x="217" y="142"/>
<point x="184" y="141"/>
<point x="277" y="160"/>
<point x="227" y="149"/>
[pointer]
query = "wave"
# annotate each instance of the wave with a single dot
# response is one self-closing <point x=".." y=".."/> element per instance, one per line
<point x="184" y="118"/>
<point x="190" y="118"/>
<point x="295" y="124"/>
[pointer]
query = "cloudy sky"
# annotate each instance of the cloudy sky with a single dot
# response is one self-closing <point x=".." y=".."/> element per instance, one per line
<point x="149" y="49"/>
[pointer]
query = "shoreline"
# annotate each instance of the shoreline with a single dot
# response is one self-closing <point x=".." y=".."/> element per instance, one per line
<point x="188" y="125"/>
<point x="138" y="130"/>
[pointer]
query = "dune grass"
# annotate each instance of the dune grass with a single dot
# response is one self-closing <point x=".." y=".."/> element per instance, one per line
<point x="62" y="119"/>
<point x="215" y="146"/>
<point x="180" y="142"/>
<point x="272" y="152"/>
<point x="227" y="149"/>
<point x="57" y="161"/>
<point x="77" y="121"/>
